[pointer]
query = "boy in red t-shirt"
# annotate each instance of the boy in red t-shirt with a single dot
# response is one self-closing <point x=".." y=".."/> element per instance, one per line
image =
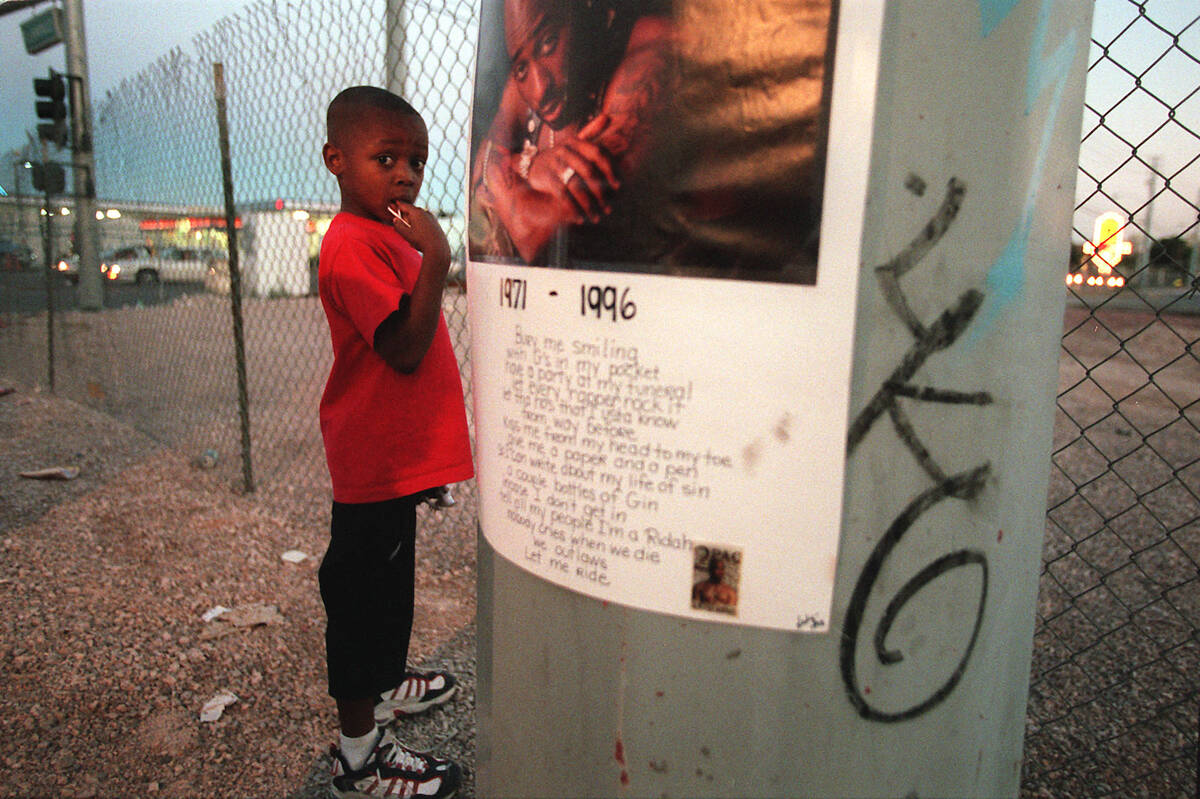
<point x="394" y="427"/>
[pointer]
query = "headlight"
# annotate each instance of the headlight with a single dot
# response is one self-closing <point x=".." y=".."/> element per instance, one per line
<point x="113" y="271"/>
<point x="62" y="266"/>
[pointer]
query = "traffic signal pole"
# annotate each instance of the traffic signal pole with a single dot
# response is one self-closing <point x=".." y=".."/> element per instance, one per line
<point x="47" y="261"/>
<point x="90" y="294"/>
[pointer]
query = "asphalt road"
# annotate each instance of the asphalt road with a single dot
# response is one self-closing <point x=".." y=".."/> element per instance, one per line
<point x="25" y="293"/>
<point x="1167" y="299"/>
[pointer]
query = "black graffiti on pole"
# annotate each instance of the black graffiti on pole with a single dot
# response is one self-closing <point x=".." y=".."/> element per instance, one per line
<point x="967" y="485"/>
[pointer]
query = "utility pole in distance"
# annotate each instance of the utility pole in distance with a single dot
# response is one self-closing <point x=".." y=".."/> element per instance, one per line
<point x="86" y="239"/>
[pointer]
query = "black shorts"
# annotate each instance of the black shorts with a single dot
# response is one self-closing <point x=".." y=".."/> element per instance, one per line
<point x="366" y="580"/>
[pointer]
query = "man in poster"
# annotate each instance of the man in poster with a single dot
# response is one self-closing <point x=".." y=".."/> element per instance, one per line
<point x="716" y="590"/>
<point x="569" y="130"/>
<point x="622" y="136"/>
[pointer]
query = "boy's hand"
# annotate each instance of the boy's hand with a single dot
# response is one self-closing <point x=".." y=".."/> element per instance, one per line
<point x="421" y="229"/>
<point x="405" y="336"/>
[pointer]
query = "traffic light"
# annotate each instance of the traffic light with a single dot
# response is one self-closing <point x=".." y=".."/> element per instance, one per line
<point x="49" y="178"/>
<point x="53" y="108"/>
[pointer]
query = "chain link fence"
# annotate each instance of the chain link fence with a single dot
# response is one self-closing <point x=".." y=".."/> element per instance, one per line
<point x="1114" y="706"/>
<point x="161" y="355"/>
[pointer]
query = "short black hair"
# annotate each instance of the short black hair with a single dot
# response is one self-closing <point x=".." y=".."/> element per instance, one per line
<point x="341" y="113"/>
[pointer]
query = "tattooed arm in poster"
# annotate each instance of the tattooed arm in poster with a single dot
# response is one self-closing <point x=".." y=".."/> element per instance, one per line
<point x="566" y="133"/>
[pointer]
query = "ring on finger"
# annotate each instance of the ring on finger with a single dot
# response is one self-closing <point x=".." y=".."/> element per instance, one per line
<point x="566" y="175"/>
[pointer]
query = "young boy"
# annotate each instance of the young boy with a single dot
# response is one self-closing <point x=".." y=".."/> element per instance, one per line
<point x="394" y="426"/>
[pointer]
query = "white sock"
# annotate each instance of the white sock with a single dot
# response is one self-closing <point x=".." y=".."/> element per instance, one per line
<point x="357" y="750"/>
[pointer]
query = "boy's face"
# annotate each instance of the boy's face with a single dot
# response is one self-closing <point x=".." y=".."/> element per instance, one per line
<point x="380" y="159"/>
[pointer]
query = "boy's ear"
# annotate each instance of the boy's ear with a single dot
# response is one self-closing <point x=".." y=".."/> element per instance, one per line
<point x="333" y="158"/>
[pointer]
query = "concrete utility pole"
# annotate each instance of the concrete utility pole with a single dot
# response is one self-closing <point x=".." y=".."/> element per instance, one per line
<point x="91" y="297"/>
<point x="970" y="113"/>
<point x="395" y="31"/>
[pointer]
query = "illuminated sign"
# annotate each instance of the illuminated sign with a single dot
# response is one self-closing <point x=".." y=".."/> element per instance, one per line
<point x="188" y="223"/>
<point x="1108" y="244"/>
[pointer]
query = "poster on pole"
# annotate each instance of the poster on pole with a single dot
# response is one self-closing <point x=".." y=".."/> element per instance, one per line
<point x="666" y="199"/>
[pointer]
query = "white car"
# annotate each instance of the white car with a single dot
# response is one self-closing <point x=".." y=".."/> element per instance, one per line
<point x="171" y="264"/>
<point x="69" y="266"/>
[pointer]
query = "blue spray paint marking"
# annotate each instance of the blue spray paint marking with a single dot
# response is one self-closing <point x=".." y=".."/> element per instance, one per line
<point x="993" y="12"/>
<point x="1006" y="277"/>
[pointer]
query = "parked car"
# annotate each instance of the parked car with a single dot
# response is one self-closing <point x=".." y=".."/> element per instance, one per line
<point x="137" y="264"/>
<point x="14" y="257"/>
<point x="171" y="264"/>
<point x="69" y="266"/>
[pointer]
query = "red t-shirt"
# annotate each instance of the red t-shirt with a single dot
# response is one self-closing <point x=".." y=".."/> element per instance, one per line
<point x="386" y="434"/>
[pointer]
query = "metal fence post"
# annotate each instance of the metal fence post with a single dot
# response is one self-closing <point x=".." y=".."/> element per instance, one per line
<point x="235" y="279"/>
<point x="919" y="688"/>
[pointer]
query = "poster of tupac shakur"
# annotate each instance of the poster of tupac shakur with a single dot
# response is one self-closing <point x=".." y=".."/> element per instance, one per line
<point x="661" y="281"/>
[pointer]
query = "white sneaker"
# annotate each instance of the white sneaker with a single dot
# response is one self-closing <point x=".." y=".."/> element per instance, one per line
<point x="418" y="692"/>
<point x="394" y="770"/>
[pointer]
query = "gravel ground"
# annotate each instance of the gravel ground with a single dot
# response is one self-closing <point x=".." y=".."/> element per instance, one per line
<point x="104" y="578"/>
<point x="106" y="659"/>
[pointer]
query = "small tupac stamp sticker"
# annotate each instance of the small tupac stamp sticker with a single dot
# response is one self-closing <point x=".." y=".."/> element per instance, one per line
<point x="716" y="575"/>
